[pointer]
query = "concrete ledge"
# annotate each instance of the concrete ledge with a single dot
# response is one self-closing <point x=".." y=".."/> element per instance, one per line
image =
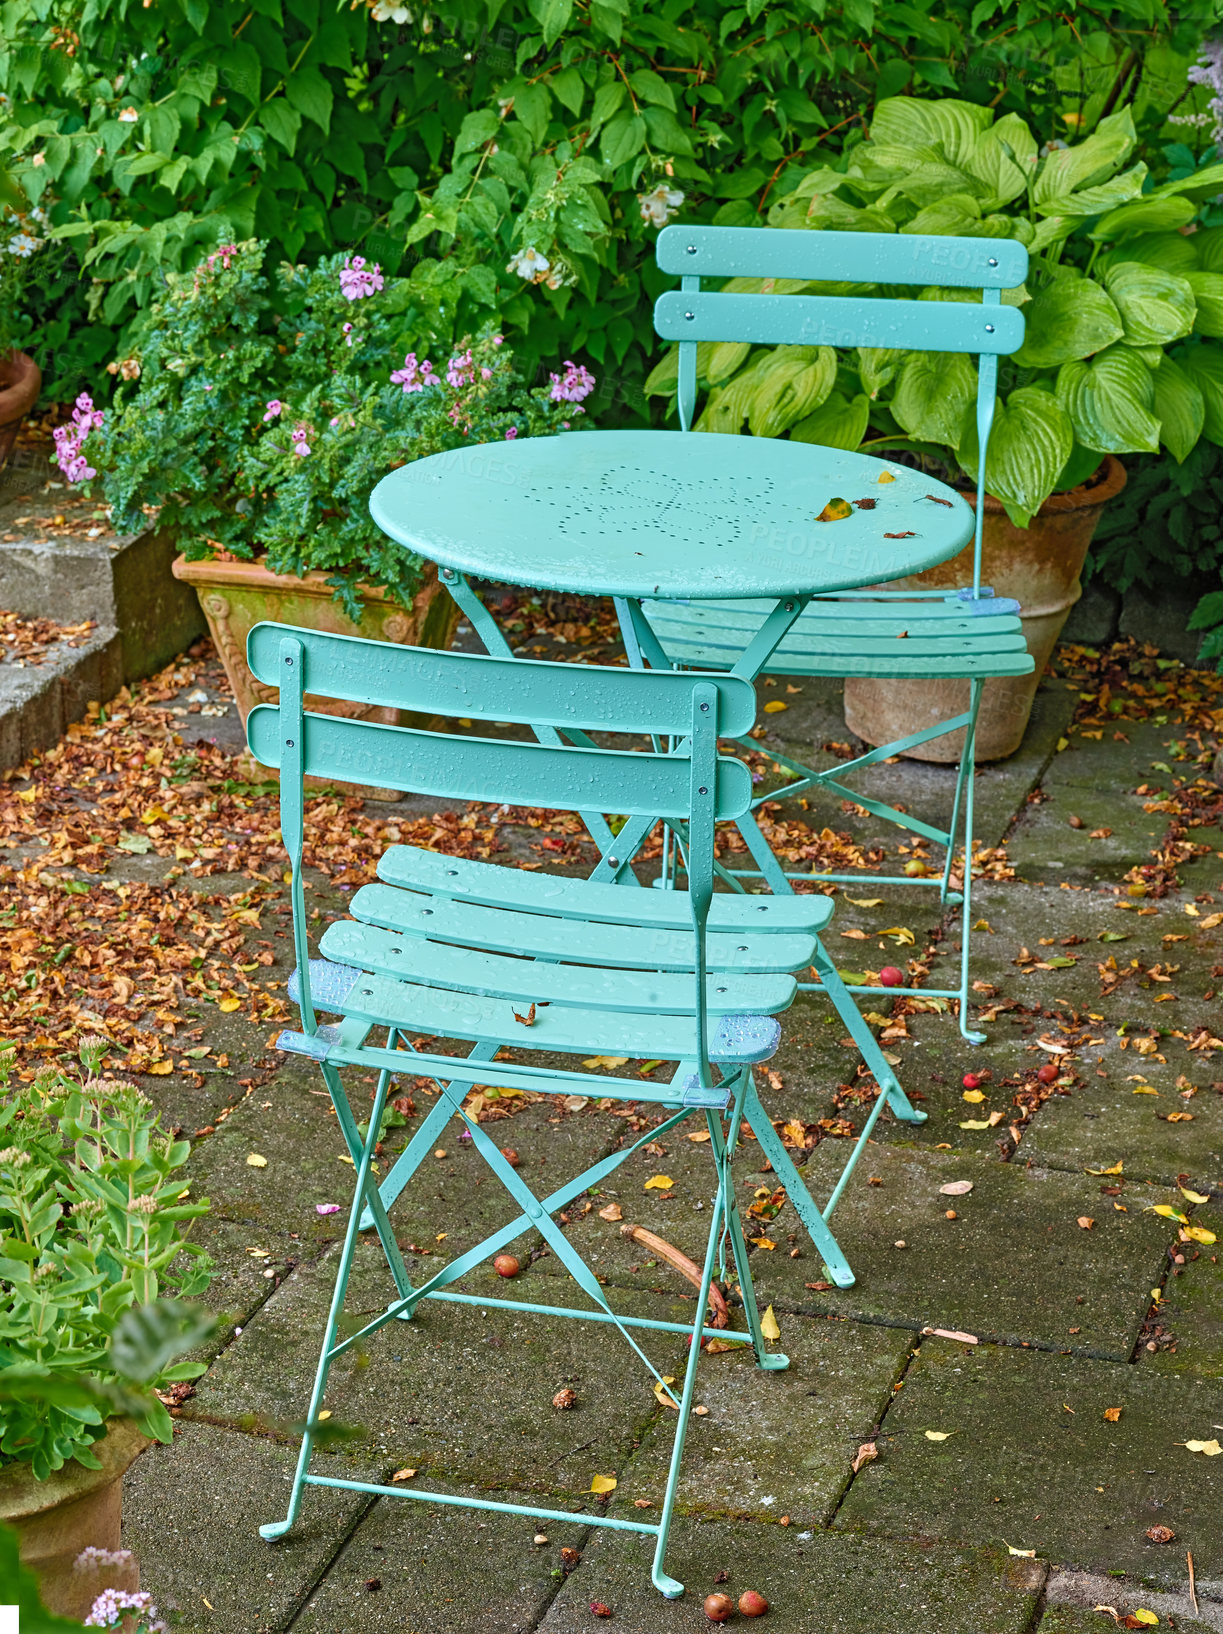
<point x="39" y="702"/>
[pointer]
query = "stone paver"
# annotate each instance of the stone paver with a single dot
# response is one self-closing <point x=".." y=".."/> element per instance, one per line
<point x="1192" y="1308"/>
<point x="1029" y="1459"/>
<point x="1014" y="1264"/>
<point x="772" y="1444"/>
<point x="826" y="1583"/>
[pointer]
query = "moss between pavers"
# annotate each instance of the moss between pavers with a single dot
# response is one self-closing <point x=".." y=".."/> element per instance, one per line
<point x="821" y="1584"/>
<point x="1111" y="1119"/>
<point x="192" y="1512"/>
<point x="1013" y="1264"/>
<point x="461" y="1392"/>
<point x="1028" y="1429"/>
<point x="773" y="1444"/>
<point x="1191" y="1310"/>
<point x="441" y="1571"/>
<point x="1044" y="847"/>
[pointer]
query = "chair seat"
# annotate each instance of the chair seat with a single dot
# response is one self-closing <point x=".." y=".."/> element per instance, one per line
<point x="567" y="1029"/>
<point x="897" y="636"/>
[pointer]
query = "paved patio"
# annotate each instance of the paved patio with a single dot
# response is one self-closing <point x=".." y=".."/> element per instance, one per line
<point x="1098" y="1334"/>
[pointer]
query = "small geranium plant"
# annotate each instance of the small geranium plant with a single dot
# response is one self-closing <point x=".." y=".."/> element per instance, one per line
<point x="257" y="421"/>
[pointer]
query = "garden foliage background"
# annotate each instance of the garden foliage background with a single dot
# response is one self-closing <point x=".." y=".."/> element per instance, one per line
<point x="513" y="159"/>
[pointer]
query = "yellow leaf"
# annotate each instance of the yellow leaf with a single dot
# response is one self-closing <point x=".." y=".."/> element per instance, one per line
<point x="154" y="814"/>
<point x="836" y="510"/>
<point x="768" y="1325"/>
<point x="1142" y="1615"/>
<point x="403" y="1475"/>
<point x="159" y="1069"/>
<point x="1211" y="1448"/>
<point x="28" y="795"/>
<point x="1116" y="1169"/>
<point x="1062" y="743"/>
<point x="886" y="476"/>
<point x="984" y="924"/>
<point x="1170" y="1213"/>
<point x="972" y="1123"/>
<point x="228" y="1005"/>
<point x="974" y="1095"/>
<point x="699" y="1135"/>
<point x="775" y="706"/>
<point x="865" y="901"/>
<point x="899" y="934"/>
<point x="1201" y="1235"/>
<point x="1112" y="1414"/>
<point x="1194" y="1196"/>
<point x="606" y="1061"/>
<point x="663" y="1394"/>
<point x="1193" y="912"/>
<point x="1145" y="1089"/>
<point x="603" y="1483"/>
<point x="256" y="1161"/>
<point x="1211" y="920"/>
<point x="764" y="1242"/>
<point x="1026" y="1554"/>
<point x="326" y="1413"/>
<point x="183" y="853"/>
<point x="343" y="1157"/>
<point x="938" y="1435"/>
<point x="659" y="1182"/>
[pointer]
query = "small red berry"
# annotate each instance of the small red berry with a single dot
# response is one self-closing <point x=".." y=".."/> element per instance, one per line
<point x="971" y="1081"/>
<point x="505" y="1265"/>
<point x="889" y="976"/>
<point x="1048" y="1074"/>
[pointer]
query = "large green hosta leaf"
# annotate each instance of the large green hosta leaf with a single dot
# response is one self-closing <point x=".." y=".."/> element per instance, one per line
<point x="1072" y="318"/>
<point x="1207" y="290"/>
<point x="1173" y="252"/>
<point x="1204" y="366"/>
<point x="793" y="383"/>
<point x="877" y="366"/>
<point x="1029" y="445"/>
<point x="1003" y="159"/>
<point x="1109" y="400"/>
<point x="1180" y="408"/>
<point x="1150" y="215"/>
<point x="933" y="391"/>
<point x="1156" y="307"/>
<point x="932" y="180"/>
<point x="840" y="422"/>
<point x="1086" y="164"/>
<point x="953" y="126"/>
<point x="1209" y="245"/>
<point x="1091" y="201"/>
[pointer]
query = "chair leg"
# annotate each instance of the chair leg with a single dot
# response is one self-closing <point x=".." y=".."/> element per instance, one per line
<point x="969" y="766"/>
<point x="868" y="1047"/>
<point x="361" y="1190"/>
<point x="817" y="1228"/>
<point x="770" y="1361"/>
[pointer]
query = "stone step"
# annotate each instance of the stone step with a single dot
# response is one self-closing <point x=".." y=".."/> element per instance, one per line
<point x="39" y="701"/>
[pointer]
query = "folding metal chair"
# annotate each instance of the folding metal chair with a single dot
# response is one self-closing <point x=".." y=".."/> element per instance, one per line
<point x="443" y="947"/>
<point x="969" y="633"/>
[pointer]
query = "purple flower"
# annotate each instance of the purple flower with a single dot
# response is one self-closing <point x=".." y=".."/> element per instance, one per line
<point x="1208" y="70"/>
<point x="486" y="374"/>
<point x="413" y="376"/>
<point x="460" y="371"/>
<point x="68" y="440"/>
<point x="511" y="434"/>
<point x="274" y="408"/>
<point x="326" y="1208"/>
<point x="349" y="337"/>
<point x="111" y="1606"/>
<point x="357" y="280"/>
<point x="576" y="383"/>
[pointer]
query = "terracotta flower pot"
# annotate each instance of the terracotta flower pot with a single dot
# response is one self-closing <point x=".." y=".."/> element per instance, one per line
<point x="76" y="1509"/>
<point x="235" y="596"/>
<point x="20" y="384"/>
<point x="1038" y="566"/>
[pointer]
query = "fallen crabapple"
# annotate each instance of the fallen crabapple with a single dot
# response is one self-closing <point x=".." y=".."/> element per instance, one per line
<point x="752" y="1604"/>
<point x="971" y="1081"/>
<point x="889" y="976"/>
<point x="511" y="1156"/>
<point x="505" y="1265"/>
<point x="718" y="1607"/>
<point x="1048" y="1074"/>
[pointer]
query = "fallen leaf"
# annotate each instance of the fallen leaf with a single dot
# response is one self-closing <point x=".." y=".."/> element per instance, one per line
<point x="865" y="901"/>
<point x="867" y="1453"/>
<point x="1211" y="1448"/>
<point x="574" y="1103"/>
<point x="255" y="1161"/>
<point x="952" y="1333"/>
<point x="974" y="1123"/>
<point x="698" y="1136"/>
<point x="1170" y="1213"/>
<point x="603" y="1483"/>
<point x="1112" y="1414"/>
<point x="659" y="1182"/>
<point x="613" y="1211"/>
<point x="229" y="1004"/>
<point x="938" y="1435"/>
<point x="775" y="706"/>
<point x="664" y="1396"/>
<point x="1199" y="1234"/>
<point x="1024" y="1554"/>
<point x="325" y="1414"/>
<point x="899" y="934"/>
<point x="1086" y="1222"/>
<point x="1160" y="1534"/>
<point x="836" y="510"/>
<point x="768" y="1325"/>
<point x="1147" y="1618"/>
<point x="1145" y="1089"/>
<point x="956" y="1188"/>
<point x="1116" y="1169"/>
<point x="715" y="1347"/>
<point x="403" y="1475"/>
<point x="763" y="1242"/>
<point x="885" y="476"/>
<point x="974" y="1095"/>
<point x="528" y="1020"/>
<point x="606" y="1061"/>
<point x="1194" y="1196"/>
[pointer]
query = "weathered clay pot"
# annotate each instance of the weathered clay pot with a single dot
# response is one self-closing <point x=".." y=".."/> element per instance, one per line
<point x="235" y="596"/>
<point x="20" y="384"/>
<point x="75" y="1509"/>
<point x="1038" y="566"/>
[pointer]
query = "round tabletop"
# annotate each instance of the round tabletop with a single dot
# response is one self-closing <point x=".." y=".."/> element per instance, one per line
<point x="670" y="514"/>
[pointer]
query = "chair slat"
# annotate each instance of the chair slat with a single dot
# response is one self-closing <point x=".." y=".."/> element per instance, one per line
<point x="429" y="682"/>
<point x="880" y="258"/>
<point x="837" y="320"/>
<point x="527" y="774"/>
<point x="527" y="981"/>
<point x="954" y="615"/>
<point x="627" y="947"/>
<point x="488" y="885"/>
<point x="440" y="1012"/>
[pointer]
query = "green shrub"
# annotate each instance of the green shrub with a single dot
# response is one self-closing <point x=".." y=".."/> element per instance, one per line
<point x="90" y="1211"/>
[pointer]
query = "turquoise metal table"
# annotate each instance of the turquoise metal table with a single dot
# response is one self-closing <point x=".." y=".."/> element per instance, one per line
<point x="647" y="516"/>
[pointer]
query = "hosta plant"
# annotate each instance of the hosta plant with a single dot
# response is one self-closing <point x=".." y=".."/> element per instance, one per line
<point x="91" y="1210"/>
<point x="1123" y="302"/>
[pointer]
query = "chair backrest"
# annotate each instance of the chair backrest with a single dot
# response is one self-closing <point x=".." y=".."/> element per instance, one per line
<point x="691" y="314"/>
<point x="693" y="785"/>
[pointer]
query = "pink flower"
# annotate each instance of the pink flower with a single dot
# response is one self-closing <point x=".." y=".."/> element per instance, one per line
<point x="498" y="340"/>
<point x="349" y="338"/>
<point x="110" y="1607"/>
<point x="357" y="280"/>
<point x="460" y="371"/>
<point x="486" y="374"/>
<point x="301" y="449"/>
<point x="326" y="1208"/>
<point x="224" y="253"/>
<point x="413" y="376"/>
<point x="274" y="408"/>
<point x="511" y="434"/>
<point x="576" y="383"/>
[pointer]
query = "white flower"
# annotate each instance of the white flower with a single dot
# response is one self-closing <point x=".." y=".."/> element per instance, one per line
<point x="659" y="206"/>
<point x="529" y="263"/>
<point x="385" y="11"/>
<point x="23" y="245"/>
<point x="128" y="116"/>
<point x="38" y="159"/>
